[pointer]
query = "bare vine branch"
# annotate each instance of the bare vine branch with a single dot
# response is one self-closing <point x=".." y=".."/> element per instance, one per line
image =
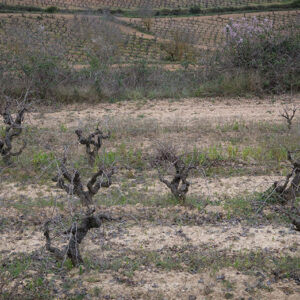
<point x="289" y="115"/>
<point x="70" y="180"/>
<point x="77" y="234"/>
<point x="290" y="190"/>
<point x="179" y="185"/>
<point x="92" y="142"/>
<point x="13" y="129"/>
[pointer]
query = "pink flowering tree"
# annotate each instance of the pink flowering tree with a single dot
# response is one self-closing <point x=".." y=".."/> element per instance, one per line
<point x="246" y="39"/>
<point x="273" y="52"/>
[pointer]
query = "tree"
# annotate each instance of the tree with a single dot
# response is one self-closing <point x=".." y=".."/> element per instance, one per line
<point x="146" y="13"/>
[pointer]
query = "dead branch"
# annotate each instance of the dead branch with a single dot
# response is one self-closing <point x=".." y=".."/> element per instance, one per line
<point x="12" y="130"/>
<point x="289" y="115"/>
<point x="179" y="185"/>
<point x="92" y="143"/>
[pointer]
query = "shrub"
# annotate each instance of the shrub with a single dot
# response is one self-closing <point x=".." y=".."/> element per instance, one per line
<point x="70" y="179"/>
<point x="51" y="9"/>
<point x="254" y="45"/>
<point x="45" y="72"/>
<point x="146" y="13"/>
<point x="179" y="47"/>
<point x="195" y="9"/>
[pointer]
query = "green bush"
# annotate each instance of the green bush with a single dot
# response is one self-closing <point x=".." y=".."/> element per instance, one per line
<point x="51" y="9"/>
<point x="196" y="9"/>
<point x="44" y="71"/>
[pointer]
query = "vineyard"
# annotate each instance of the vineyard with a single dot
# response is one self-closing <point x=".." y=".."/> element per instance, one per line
<point x="65" y="30"/>
<point x="134" y="40"/>
<point x="129" y="4"/>
<point x="210" y="31"/>
<point x="149" y="149"/>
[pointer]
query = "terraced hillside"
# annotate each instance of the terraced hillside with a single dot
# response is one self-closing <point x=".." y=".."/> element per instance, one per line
<point x="210" y="31"/>
<point x="70" y="33"/>
<point x="133" y="39"/>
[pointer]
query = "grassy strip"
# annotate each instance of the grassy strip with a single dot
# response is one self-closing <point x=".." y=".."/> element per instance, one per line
<point x="36" y="285"/>
<point x="4" y="8"/>
<point x="198" y="11"/>
<point x="192" y="11"/>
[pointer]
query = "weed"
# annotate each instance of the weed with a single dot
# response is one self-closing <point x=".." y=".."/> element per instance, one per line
<point x="17" y="267"/>
<point x="41" y="158"/>
<point x="238" y="207"/>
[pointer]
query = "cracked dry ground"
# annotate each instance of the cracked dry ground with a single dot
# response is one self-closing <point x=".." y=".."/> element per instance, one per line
<point x="222" y="245"/>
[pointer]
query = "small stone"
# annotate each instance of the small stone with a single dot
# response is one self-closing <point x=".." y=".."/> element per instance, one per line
<point x="221" y="277"/>
<point x="259" y="274"/>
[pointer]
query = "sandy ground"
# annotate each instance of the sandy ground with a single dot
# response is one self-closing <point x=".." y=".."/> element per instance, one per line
<point x="135" y="232"/>
<point x="215" y="188"/>
<point x="212" y="188"/>
<point x="180" y="285"/>
<point x="153" y="284"/>
<point x="235" y="238"/>
<point x="189" y="111"/>
<point x="158" y="238"/>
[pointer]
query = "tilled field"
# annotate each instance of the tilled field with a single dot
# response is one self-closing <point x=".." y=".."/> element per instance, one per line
<point x="75" y="39"/>
<point x="225" y="243"/>
<point x="209" y="31"/>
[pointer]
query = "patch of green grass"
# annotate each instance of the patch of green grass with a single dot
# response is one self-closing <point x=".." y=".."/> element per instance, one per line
<point x="41" y="158"/>
<point x="193" y="260"/>
<point x="63" y="128"/>
<point x="238" y="207"/>
<point x="37" y="288"/>
<point x="123" y="155"/>
<point x="232" y="126"/>
<point x="262" y="153"/>
<point x="288" y="267"/>
<point x="127" y="195"/>
<point x="16" y="267"/>
<point x="27" y="205"/>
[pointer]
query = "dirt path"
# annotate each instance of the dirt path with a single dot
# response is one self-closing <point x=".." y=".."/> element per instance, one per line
<point x="158" y="238"/>
<point x="132" y="31"/>
<point x="165" y="112"/>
